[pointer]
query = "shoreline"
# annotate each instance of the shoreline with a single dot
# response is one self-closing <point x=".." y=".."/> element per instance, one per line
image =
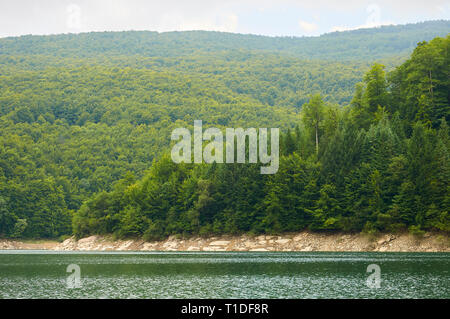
<point x="303" y="241"/>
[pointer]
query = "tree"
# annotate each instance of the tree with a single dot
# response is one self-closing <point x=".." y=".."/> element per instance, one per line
<point x="19" y="228"/>
<point x="313" y="115"/>
<point x="7" y="219"/>
<point x="376" y="94"/>
<point x="289" y="145"/>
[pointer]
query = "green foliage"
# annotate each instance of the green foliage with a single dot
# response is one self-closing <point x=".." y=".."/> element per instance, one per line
<point x="420" y="86"/>
<point x="19" y="228"/>
<point x="85" y="133"/>
<point x="416" y="231"/>
<point x="313" y="115"/>
<point x="363" y="44"/>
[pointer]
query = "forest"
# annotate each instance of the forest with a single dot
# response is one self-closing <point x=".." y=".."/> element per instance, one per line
<point x="361" y="45"/>
<point x="85" y="125"/>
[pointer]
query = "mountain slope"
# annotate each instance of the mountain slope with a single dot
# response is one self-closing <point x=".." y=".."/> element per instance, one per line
<point x="86" y="114"/>
<point x="361" y="45"/>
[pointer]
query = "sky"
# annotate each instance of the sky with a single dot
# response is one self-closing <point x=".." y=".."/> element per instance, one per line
<point x="264" y="17"/>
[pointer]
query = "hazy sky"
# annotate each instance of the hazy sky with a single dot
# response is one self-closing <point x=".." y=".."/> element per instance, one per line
<point x="268" y="17"/>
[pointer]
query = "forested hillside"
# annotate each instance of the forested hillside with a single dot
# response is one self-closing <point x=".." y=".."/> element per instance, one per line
<point x="378" y="166"/>
<point x="85" y="123"/>
<point x="362" y="44"/>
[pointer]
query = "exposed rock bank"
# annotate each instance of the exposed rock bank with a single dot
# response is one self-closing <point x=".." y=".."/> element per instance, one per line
<point x="304" y="241"/>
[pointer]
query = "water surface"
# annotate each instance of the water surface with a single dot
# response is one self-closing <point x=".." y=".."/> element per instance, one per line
<point x="43" y="274"/>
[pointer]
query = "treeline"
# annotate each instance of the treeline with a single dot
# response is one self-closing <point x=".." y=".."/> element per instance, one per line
<point x="68" y="134"/>
<point x="71" y="127"/>
<point x="380" y="164"/>
<point x="363" y="45"/>
<point x="79" y="130"/>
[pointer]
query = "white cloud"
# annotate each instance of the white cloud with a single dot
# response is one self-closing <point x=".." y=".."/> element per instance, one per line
<point x="61" y="16"/>
<point x="307" y="26"/>
<point x="180" y="22"/>
<point x="373" y="20"/>
<point x="399" y="6"/>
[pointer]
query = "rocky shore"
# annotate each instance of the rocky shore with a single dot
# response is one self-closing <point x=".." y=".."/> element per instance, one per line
<point x="304" y="241"/>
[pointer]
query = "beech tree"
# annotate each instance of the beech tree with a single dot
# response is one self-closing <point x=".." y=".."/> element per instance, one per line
<point x="313" y="116"/>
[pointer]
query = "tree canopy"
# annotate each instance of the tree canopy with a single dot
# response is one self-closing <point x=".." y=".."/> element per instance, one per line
<point x="85" y="134"/>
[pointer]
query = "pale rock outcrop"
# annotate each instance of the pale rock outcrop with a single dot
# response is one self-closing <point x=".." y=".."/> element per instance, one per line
<point x="303" y="241"/>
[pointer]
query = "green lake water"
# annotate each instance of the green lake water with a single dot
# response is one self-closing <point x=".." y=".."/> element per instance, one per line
<point x="40" y="274"/>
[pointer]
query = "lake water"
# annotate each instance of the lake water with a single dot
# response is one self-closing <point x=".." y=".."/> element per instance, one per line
<point x="40" y="274"/>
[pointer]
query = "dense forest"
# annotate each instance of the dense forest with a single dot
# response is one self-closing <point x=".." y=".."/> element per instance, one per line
<point x="85" y="125"/>
<point x="363" y="44"/>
